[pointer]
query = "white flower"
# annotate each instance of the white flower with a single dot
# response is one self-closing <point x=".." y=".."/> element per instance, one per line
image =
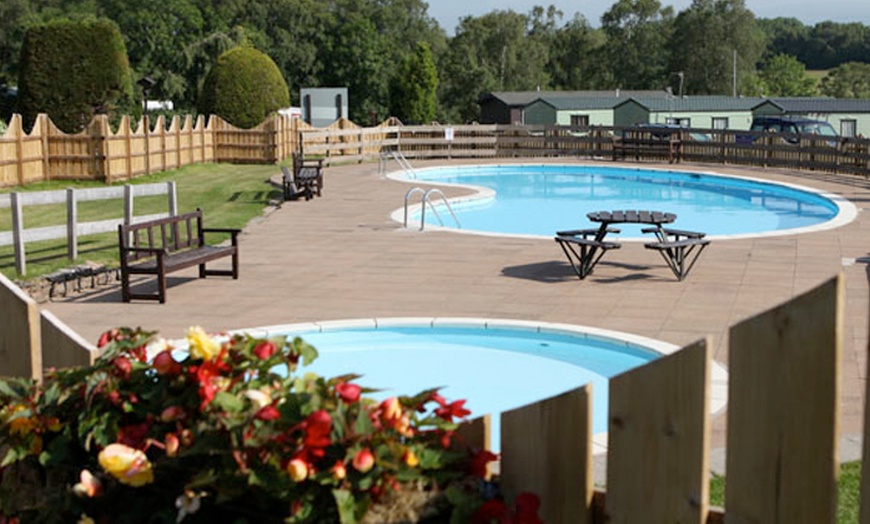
<point x="259" y="398"/>
<point x="188" y="504"/>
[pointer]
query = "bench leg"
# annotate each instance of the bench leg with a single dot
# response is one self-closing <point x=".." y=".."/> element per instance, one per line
<point x="161" y="282"/>
<point x="677" y="257"/>
<point x="584" y="261"/>
<point x="125" y="286"/>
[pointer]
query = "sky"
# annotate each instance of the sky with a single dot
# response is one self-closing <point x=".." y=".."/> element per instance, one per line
<point x="448" y="12"/>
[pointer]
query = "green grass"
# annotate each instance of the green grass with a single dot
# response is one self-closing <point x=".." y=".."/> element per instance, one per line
<point x="848" y="492"/>
<point x="230" y="196"/>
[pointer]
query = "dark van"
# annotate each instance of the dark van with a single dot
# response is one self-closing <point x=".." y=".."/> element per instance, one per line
<point x="788" y="125"/>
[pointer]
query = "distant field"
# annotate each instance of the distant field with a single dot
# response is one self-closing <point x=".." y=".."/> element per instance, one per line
<point x="817" y="74"/>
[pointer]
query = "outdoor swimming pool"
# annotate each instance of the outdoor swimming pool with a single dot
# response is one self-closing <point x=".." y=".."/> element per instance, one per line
<point x="525" y="199"/>
<point x="495" y="365"/>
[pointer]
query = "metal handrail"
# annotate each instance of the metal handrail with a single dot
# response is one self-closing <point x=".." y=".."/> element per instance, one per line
<point x="401" y="160"/>
<point x="426" y="200"/>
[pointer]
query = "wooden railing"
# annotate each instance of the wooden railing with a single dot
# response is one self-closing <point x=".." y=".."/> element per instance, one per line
<point x="804" y="152"/>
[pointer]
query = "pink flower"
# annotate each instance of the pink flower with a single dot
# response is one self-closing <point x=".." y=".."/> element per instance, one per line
<point x="349" y="393"/>
<point x="391" y="409"/>
<point x="172" y="413"/>
<point x="88" y="486"/>
<point x="172" y="444"/>
<point x="123" y="367"/>
<point x="363" y="460"/>
<point x="264" y="350"/>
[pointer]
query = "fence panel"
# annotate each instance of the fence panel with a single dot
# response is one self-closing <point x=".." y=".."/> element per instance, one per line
<point x="546" y="448"/>
<point x="783" y="411"/>
<point x="19" y="333"/>
<point x="61" y="346"/>
<point x="659" y="438"/>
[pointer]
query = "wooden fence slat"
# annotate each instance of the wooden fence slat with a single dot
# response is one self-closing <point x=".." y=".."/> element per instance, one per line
<point x="546" y="449"/>
<point x="658" y="440"/>
<point x="61" y="346"/>
<point x="783" y="411"/>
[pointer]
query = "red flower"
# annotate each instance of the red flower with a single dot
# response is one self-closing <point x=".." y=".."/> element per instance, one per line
<point x="164" y="364"/>
<point x="349" y="393"/>
<point x="107" y="337"/>
<point x="268" y="413"/>
<point x="454" y="409"/>
<point x="317" y="426"/>
<point x="206" y="375"/>
<point x="491" y="510"/>
<point x="264" y="350"/>
<point x="141" y="353"/>
<point x="134" y="435"/>
<point x="479" y="460"/>
<point x="123" y="367"/>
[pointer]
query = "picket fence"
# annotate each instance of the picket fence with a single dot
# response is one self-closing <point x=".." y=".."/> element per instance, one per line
<point x="782" y="432"/>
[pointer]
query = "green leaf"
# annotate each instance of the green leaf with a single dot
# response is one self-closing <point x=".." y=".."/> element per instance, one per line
<point x="346" y="505"/>
<point x="229" y="402"/>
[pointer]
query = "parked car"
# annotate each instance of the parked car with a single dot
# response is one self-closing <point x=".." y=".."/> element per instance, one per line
<point x="791" y="126"/>
<point x="664" y="131"/>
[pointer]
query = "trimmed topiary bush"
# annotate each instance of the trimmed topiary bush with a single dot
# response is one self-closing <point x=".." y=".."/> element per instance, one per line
<point x="73" y="69"/>
<point x="243" y="88"/>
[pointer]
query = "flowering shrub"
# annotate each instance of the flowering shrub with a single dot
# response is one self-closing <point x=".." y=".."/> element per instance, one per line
<point x="231" y="432"/>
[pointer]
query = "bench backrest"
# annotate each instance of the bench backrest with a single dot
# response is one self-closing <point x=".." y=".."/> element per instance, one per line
<point x="171" y="234"/>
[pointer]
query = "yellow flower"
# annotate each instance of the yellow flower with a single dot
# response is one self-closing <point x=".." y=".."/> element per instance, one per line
<point x="201" y="345"/>
<point x="410" y="458"/>
<point x="86" y="520"/>
<point x="130" y="466"/>
<point x="297" y="469"/>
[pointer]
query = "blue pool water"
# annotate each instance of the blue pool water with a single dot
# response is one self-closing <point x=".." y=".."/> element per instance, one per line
<point x="495" y="369"/>
<point x="542" y="199"/>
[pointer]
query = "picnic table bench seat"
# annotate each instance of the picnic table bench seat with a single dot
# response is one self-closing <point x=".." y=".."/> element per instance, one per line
<point x="162" y="246"/>
<point x="584" y="253"/>
<point x="678" y="254"/>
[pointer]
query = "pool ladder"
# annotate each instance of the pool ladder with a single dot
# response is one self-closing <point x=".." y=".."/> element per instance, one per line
<point x="400" y="159"/>
<point x="427" y="200"/>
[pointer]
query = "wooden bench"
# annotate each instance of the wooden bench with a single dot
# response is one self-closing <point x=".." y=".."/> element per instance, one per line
<point x="162" y="246"/>
<point x="646" y="145"/>
<point x="308" y="174"/>
<point x="677" y="253"/>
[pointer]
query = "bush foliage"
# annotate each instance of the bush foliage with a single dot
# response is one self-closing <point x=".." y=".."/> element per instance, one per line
<point x="73" y="69"/>
<point x="243" y="88"/>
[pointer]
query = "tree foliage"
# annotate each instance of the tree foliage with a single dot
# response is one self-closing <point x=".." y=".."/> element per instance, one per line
<point x="784" y="75"/>
<point x="243" y="88"/>
<point x="365" y="44"/>
<point x="637" y="35"/>
<point x="414" y="90"/>
<point x="850" y="80"/>
<point x="708" y="36"/>
<point x="72" y="70"/>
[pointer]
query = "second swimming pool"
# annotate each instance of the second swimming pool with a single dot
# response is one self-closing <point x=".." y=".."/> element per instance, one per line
<point x="538" y="200"/>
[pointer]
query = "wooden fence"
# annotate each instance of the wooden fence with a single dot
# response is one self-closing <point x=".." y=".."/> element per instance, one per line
<point x="805" y="152"/>
<point x="137" y="148"/>
<point x="782" y="433"/>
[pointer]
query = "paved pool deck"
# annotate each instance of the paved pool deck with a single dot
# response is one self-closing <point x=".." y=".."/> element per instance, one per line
<point x="342" y="257"/>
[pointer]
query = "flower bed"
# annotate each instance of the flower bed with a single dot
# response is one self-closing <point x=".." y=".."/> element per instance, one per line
<point x="231" y="432"/>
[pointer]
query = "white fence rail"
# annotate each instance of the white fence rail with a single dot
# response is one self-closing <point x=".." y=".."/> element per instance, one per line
<point x="19" y="236"/>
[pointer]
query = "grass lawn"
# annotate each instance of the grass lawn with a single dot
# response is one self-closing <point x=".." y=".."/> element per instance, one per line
<point x="229" y="195"/>
<point x="848" y="492"/>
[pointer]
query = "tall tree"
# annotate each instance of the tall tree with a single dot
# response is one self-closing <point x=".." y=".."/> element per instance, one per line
<point x="575" y="56"/>
<point x="413" y="92"/>
<point x="784" y="75"/>
<point x="707" y="37"/>
<point x="637" y="35"/>
<point x="490" y="53"/>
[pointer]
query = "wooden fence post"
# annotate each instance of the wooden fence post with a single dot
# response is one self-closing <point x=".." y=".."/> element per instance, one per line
<point x="659" y="439"/>
<point x="72" y="245"/>
<point x="18" y="233"/>
<point x="172" y="198"/>
<point x="128" y="204"/>
<point x="783" y="411"/>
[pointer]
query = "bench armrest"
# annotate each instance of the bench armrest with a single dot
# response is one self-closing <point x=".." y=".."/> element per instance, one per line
<point x="231" y="230"/>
